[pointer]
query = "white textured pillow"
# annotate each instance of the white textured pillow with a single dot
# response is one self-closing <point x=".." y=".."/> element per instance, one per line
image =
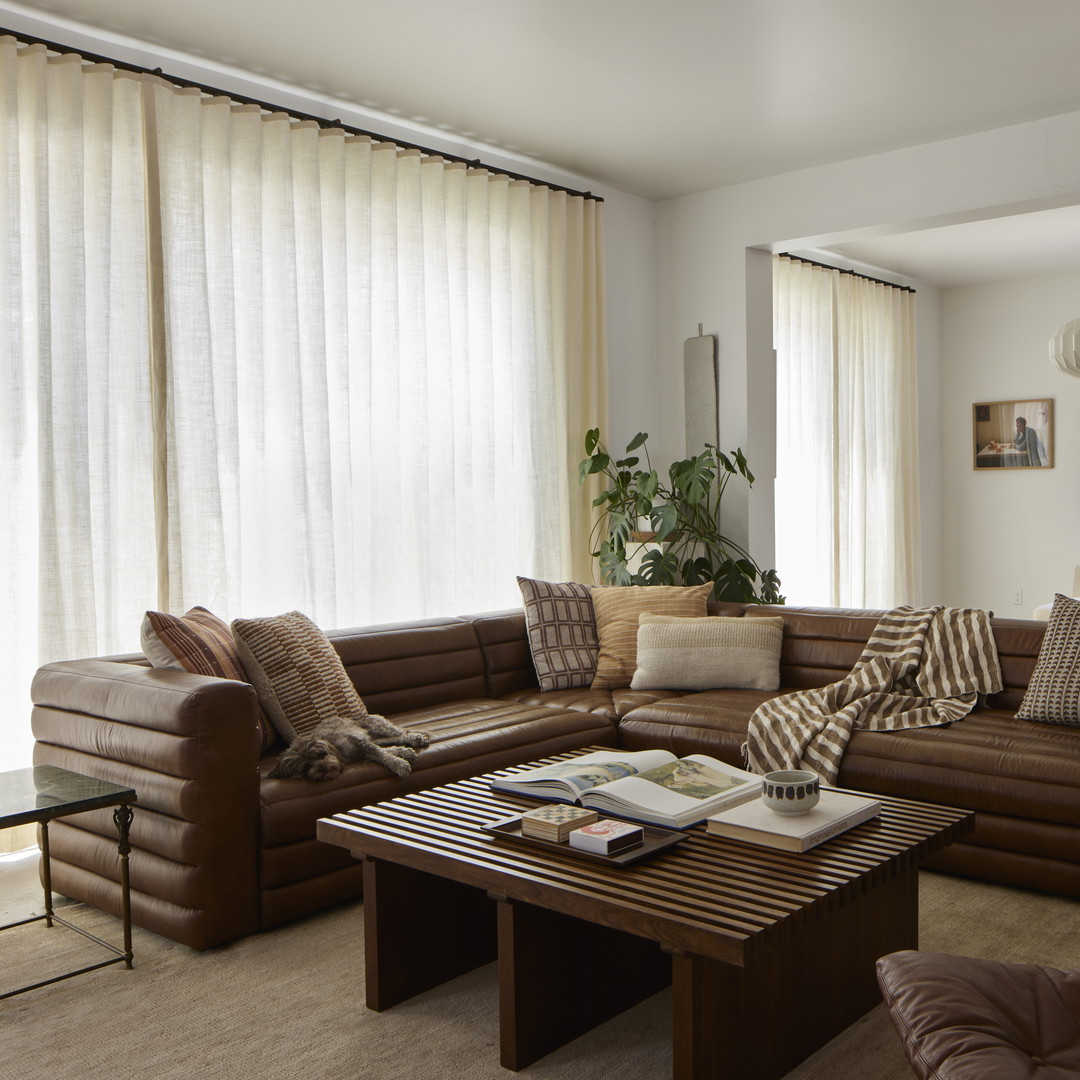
<point x="707" y="654"/>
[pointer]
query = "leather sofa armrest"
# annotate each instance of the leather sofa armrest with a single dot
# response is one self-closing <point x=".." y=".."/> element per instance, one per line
<point x="189" y="745"/>
<point x="155" y="718"/>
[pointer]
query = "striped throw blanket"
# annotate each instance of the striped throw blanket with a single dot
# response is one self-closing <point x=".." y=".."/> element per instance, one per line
<point x="921" y="667"/>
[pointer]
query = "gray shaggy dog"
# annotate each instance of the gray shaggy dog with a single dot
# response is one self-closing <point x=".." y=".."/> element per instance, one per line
<point x="323" y="752"/>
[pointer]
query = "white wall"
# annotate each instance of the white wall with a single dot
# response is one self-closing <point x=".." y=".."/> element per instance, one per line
<point x="705" y="274"/>
<point x="635" y="375"/>
<point x="1008" y="529"/>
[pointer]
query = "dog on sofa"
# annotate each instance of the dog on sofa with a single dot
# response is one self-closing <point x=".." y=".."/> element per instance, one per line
<point x="323" y="752"/>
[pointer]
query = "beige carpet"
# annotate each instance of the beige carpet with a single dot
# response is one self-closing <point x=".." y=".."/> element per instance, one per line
<point x="289" y="1004"/>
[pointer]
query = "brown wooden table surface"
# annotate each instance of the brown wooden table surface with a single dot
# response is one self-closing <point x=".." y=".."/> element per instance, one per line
<point x="770" y="953"/>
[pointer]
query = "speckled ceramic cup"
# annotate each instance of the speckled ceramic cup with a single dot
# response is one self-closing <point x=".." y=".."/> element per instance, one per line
<point x="792" y="791"/>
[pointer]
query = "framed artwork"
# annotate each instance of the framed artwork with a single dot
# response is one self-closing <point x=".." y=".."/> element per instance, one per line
<point x="1013" y="434"/>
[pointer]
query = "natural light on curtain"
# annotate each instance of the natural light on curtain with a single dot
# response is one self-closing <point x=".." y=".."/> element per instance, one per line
<point x="257" y="365"/>
<point x="847" y="512"/>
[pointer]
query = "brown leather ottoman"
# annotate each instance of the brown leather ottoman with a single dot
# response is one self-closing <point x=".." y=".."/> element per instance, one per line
<point x="967" y="1019"/>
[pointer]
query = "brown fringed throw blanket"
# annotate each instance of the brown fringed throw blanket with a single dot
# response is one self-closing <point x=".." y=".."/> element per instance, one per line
<point x="921" y="667"/>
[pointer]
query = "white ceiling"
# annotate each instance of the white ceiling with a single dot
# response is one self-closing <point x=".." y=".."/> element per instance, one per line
<point x="664" y="99"/>
<point x="1024" y="245"/>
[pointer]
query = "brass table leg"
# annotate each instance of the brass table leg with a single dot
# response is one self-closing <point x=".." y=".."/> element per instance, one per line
<point x="46" y="873"/>
<point x="122" y="816"/>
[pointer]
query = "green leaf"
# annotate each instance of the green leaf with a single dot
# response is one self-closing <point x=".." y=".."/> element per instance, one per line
<point x="659" y="568"/>
<point x="613" y="569"/>
<point x="697" y="571"/>
<point x="592" y="438"/>
<point x="666" y="521"/>
<point x="649" y="485"/>
<point x="620" y="526"/>
<point x="636" y="441"/>
<point x="693" y="478"/>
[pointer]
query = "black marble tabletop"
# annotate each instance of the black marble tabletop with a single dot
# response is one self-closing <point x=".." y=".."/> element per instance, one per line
<point x="43" y="792"/>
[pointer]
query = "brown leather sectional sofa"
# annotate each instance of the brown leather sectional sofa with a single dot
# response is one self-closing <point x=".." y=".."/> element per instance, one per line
<point x="220" y="850"/>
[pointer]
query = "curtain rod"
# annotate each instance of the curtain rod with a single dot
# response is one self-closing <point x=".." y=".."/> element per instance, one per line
<point x="269" y="106"/>
<point x="841" y="270"/>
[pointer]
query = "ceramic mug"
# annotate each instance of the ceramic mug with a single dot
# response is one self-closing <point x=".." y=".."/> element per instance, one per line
<point x="792" y="791"/>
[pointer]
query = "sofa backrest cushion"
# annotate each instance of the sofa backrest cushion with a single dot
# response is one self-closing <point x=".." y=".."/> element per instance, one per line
<point x="821" y="645"/>
<point x="508" y="664"/>
<point x="396" y="667"/>
<point x="1018" y="645"/>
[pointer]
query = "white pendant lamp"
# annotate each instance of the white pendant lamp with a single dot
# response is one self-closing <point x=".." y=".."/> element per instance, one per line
<point x="1065" y="348"/>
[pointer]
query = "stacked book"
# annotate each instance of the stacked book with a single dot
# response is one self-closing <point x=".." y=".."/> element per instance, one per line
<point x="607" y="837"/>
<point x="755" y="823"/>
<point x="555" y="823"/>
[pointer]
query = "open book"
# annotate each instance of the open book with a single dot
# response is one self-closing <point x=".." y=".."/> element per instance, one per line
<point x="647" y="785"/>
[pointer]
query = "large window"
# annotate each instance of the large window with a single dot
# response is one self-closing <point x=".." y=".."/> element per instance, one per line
<point x="259" y="365"/>
<point x="847" y="511"/>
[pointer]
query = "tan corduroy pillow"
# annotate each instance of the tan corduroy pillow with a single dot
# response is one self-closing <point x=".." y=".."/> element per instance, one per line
<point x="708" y="654"/>
<point x="617" y="609"/>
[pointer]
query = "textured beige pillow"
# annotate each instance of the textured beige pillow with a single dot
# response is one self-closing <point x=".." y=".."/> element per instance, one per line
<point x="1053" y="692"/>
<point x="617" y="609"/>
<point x="296" y="672"/>
<point x="707" y="654"/>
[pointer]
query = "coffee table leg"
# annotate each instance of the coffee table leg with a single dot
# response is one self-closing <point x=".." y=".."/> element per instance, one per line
<point x="560" y="976"/>
<point x="759" y="1021"/>
<point x="419" y="931"/>
<point x="122" y="816"/>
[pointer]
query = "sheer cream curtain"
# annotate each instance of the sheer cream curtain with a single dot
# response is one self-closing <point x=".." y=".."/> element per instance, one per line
<point x="847" y="511"/>
<point x="258" y="365"/>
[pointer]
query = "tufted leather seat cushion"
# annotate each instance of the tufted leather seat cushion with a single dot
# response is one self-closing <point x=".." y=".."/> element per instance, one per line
<point x="965" y="1019"/>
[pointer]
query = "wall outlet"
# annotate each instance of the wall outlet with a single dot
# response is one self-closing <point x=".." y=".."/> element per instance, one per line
<point x="1018" y="597"/>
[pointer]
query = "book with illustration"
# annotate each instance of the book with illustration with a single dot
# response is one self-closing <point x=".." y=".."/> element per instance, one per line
<point x="653" y="786"/>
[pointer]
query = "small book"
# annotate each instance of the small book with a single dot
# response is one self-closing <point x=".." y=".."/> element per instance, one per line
<point x="607" y="836"/>
<point x="754" y="822"/>
<point x="653" y="786"/>
<point x="555" y="822"/>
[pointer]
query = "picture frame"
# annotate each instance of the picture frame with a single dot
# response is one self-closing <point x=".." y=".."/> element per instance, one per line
<point x="1016" y="434"/>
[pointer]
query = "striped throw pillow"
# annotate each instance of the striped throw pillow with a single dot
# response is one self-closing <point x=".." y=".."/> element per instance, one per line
<point x="296" y="672"/>
<point x="1053" y="693"/>
<point x="708" y="654"/>
<point x="618" y="608"/>
<point x="199" y="642"/>
<point x="562" y="632"/>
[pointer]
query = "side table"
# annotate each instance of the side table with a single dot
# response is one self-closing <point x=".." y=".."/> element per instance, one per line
<point x="42" y="793"/>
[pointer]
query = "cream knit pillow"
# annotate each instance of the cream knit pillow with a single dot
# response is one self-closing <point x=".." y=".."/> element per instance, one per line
<point x="707" y="654"/>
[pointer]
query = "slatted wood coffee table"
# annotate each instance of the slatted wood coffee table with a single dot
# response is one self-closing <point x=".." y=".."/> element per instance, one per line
<point x="770" y="954"/>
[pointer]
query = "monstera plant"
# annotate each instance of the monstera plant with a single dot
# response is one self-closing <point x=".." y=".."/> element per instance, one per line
<point x="677" y="517"/>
